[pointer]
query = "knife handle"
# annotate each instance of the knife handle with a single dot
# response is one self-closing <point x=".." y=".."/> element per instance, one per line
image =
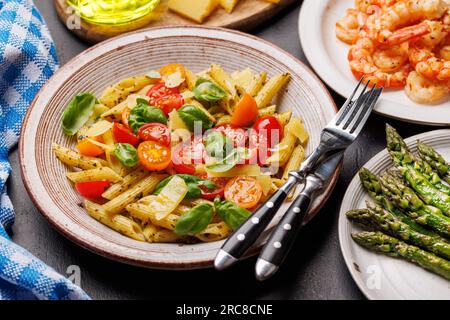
<point x="282" y="239"/>
<point x="245" y="236"/>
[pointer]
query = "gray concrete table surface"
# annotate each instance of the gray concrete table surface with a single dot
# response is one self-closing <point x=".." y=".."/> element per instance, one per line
<point x="315" y="268"/>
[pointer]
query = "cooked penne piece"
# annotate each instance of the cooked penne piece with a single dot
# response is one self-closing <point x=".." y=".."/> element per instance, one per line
<point x="127" y="181"/>
<point x="282" y="151"/>
<point x="243" y="78"/>
<point x="296" y="127"/>
<point x="191" y="79"/>
<point x="283" y="117"/>
<point x="141" y="189"/>
<point x="127" y="227"/>
<point x="144" y="90"/>
<point x="74" y="159"/>
<point x="99" y="174"/>
<point x="214" y="232"/>
<point x="155" y="234"/>
<point x="117" y="93"/>
<point x="226" y="119"/>
<point x="256" y="84"/>
<point x="115" y="113"/>
<point x="223" y="79"/>
<point x="297" y="157"/>
<point x="97" y="212"/>
<point x="270" y="89"/>
<point x="267" y="111"/>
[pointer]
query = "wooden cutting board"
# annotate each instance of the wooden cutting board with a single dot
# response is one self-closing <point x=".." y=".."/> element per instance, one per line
<point x="246" y="15"/>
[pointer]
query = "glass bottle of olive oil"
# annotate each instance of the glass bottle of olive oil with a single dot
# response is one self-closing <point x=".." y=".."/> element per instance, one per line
<point x="113" y="12"/>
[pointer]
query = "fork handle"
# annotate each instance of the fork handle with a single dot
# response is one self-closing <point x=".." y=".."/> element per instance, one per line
<point x="282" y="239"/>
<point x="246" y="235"/>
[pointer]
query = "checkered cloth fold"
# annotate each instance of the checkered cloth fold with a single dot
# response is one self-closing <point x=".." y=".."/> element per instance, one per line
<point x="27" y="60"/>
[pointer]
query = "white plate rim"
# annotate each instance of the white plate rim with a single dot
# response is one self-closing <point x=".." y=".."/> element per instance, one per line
<point x="354" y="186"/>
<point x="309" y="24"/>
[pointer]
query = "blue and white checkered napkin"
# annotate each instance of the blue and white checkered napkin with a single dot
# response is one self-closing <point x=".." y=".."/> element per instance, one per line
<point x="27" y="60"/>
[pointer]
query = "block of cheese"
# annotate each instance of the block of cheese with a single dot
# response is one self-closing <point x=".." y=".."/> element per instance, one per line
<point x="228" y="5"/>
<point x="197" y="10"/>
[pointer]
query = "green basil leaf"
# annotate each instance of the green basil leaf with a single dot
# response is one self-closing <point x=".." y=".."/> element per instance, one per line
<point x="195" y="220"/>
<point x="231" y="213"/>
<point x="229" y="161"/>
<point x="192" y="182"/>
<point x="77" y="113"/>
<point x="208" y="91"/>
<point x="126" y="154"/>
<point x="208" y="184"/>
<point x="142" y="113"/>
<point x="217" y="145"/>
<point x="191" y="115"/>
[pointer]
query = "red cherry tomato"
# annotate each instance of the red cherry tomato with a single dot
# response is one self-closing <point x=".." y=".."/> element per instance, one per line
<point x="92" y="190"/>
<point x="122" y="134"/>
<point x="270" y="129"/>
<point x="158" y="91"/>
<point x="259" y="150"/>
<point x="238" y="136"/>
<point x="155" y="132"/>
<point x="219" y="191"/>
<point x="170" y="102"/>
<point x="188" y="153"/>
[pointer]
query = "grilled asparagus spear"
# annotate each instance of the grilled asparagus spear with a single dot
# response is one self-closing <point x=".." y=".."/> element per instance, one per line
<point x="378" y="218"/>
<point x="372" y="185"/>
<point x="435" y="160"/>
<point x="404" y="158"/>
<point x="404" y="197"/>
<point x="379" y="242"/>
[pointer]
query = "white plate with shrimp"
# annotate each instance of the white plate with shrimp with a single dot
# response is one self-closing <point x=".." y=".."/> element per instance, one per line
<point x="329" y="57"/>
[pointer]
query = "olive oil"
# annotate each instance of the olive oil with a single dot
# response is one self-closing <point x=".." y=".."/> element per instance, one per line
<point x="113" y="12"/>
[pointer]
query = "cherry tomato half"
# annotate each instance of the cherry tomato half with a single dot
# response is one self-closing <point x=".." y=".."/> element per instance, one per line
<point x="123" y="134"/>
<point x="188" y="153"/>
<point x="153" y="156"/>
<point x="219" y="191"/>
<point x="170" y="102"/>
<point x="245" y="112"/>
<point x="92" y="190"/>
<point x="172" y="68"/>
<point x="270" y="129"/>
<point x="245" y="191"/>
<point x="125" y="116"/>
<point x="158" y="91"/>
<point x="155" y="132"/>
<point x="238" y="136"/>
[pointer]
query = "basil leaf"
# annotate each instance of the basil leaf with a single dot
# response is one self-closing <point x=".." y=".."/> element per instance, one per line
<point x="195" y="220"/>
<point x="142" y="113"/>
<point x="208" y="91"/>
<point x="192" y="182"/>
<point x="77" y="113"/>
<point x="231" y="213"/>
<point x="217" y="145"/>
<point x="191" y="115"/>
<point x="229" y="161"/>
<point x="126" y="154"/>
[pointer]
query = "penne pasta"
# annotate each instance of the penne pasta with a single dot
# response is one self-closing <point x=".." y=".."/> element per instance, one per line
<point x="226" y="119"/>
<point x="283" y="117"/>
<point x="282" y="151"/>
<point x="270" y="89"/>
<point x="115" y="113"/>
<point x="142" y="188"/>
<point x="256" y="84"/>
<point x="224" y="80"/>
<point x="191" y="79"/>
<point x="127" y="182"/>
<point x="154" y="234"/>
<point x="297" y="157"/>
<point x="117" y="93"/>
<point x="99" y="174"/>
<point x="214" y="232"/>
<point x="267" y="111"/>
<point x="127" y="227"/>
<point x="296" y="127"/>
<point x="74" y="159"/>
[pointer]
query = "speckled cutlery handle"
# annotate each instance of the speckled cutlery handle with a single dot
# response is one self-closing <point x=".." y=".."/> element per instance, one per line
<point x="246" y="235"/>
<point x="282" y="238"/>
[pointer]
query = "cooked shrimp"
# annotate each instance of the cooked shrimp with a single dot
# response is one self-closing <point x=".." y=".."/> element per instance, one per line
<point x="368" y="6"/>
<point x="422" y="90"/>
<point x="423" y="58"/>
<point x="403" y="13"/>
<point x="362" y="63"/>
<point x="348" y="28"/>
<point x="392" y="58"/>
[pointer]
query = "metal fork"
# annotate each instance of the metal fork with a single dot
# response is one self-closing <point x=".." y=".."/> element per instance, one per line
<point x="337" y="135"/>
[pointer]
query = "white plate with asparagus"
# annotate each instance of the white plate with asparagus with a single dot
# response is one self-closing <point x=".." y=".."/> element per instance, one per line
<point x="394" y="224"/>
